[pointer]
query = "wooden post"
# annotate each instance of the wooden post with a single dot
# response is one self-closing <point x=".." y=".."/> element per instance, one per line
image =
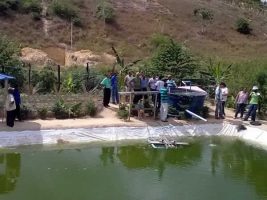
<point x="58" y="78"/>
<point x="29" y="79"/>
<point x="130" y="106"/>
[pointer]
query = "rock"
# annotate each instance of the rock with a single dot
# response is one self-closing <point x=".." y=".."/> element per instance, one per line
<point x="35" y="57"/>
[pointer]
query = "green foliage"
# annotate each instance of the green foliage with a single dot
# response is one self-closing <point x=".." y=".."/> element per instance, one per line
<point x="65" y="111"/>
<point x="73" y="80"/>
<point x="105" y="11"/>
<point x="91" y="108"/>
<point x="45" y="80"/>
<point x="218" y="71"/>
<point x="42" y="112"/>
<point x="230" y="103"/>
<point x="9" y="52"/>
<point x="31" y="6"/>
<point x="61" y="110"/>
<point x="174" y="59"/>
<point x="243" y="26"/>
<point x="67" y="10"/>
<point x="76" y="110"/>
<point x="123" y="112"/>
<point x="159" y="40"/>
<point x="26" y="112"/>
<point x="6" y="5"/>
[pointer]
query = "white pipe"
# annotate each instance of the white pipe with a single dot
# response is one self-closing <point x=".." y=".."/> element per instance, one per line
<point x="195" y="115"/>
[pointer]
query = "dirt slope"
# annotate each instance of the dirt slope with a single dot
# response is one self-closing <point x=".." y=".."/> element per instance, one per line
<point x="137" y="20"/>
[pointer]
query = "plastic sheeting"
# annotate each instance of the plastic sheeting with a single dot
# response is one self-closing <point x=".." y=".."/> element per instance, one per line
<point x="10" y="139"/>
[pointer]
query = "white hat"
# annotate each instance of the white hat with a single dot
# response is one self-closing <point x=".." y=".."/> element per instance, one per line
<point x="255" y="88"/>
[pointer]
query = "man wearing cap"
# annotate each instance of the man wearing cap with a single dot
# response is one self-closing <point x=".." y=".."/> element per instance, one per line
<point x="253" y="104"/>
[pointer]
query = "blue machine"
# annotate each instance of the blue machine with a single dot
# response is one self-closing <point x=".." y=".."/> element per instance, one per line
<point x="187" y="97"/>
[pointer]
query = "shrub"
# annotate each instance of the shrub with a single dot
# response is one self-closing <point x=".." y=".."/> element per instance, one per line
<point x="42" y="112"/>
<point x="242" y="26"/>
<point x="123" y="112"/>
<point x="75" y="110"/>
<point x="204" y="13"/>
<point x="26" y="112"/>
<point x="74" y="79"/>
<point x="31" y="6"/>
<point x="91" y="108"/>
<point x="66" y="10"/>
<point x="46" y="80"/>
<point x="105" y="11"/>
<point x="61" y="110"/>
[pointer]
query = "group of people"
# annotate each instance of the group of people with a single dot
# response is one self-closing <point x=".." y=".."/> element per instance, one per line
<point x="136" y="83"/>
<point x="12" y="106"/>
<point x="242" y="99"/>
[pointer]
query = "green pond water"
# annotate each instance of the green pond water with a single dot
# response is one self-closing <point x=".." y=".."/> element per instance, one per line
<point x="231" y="170"/>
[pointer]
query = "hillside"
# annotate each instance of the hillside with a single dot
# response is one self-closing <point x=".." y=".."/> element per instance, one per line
<point x="137" y="20"/>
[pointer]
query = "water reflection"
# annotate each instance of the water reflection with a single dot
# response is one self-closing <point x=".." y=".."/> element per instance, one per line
<point x="9" y="171"/>
<point x="140" y="157"/>
<point x="240" y="161"/>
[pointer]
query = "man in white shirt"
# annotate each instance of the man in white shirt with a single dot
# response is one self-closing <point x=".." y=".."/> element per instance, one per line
<point x="224" y="96"/>
<point x="159" y="85"/>
<point x="152" y="87"/>
<point x="218" y="102"/>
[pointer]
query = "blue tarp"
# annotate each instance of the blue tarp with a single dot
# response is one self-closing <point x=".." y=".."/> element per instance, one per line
<point x="4" y="77"/>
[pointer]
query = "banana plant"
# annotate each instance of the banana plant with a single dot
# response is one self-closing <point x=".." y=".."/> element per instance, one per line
<point x="218" y="71"/>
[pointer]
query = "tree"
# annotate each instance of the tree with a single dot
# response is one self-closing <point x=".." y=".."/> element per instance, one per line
<point x="105" y="11"/>
<point x="9" y="52"/>
<point x="174" y="59"/>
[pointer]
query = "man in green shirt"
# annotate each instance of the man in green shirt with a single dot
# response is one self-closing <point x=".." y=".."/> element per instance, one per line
<point x="164" y="103"/>
<point x="106" y="82"/>
<point x="253" y="104"/>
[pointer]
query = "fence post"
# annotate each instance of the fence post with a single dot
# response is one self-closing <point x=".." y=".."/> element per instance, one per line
<point x="29" y="78"/>
<point x="88" y="75"/>
<point x="58" y="78"/>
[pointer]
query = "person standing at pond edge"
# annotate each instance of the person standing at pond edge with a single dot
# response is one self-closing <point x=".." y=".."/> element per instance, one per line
<point x="218" y="101"/>
<point x="17" y="98"/>
<point x="106" y="82"/>
<point x="10" y="108"/>
<point x="225" y="93"/>
<point x="164" y="103"/>
<point x="114" y="89"/>
<point x="241" y="102"/>
<point x="253" y="104"/>
<point x="136" y="81"/>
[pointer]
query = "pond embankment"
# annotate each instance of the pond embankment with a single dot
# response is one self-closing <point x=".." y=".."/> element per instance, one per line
<point x="253" y="135"/>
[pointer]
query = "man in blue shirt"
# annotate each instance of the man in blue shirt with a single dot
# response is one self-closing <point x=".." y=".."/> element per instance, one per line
<point x="114" y="89"/>
<point x="17" y="98"/>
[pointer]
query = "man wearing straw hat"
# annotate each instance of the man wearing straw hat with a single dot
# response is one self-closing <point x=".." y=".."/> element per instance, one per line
<point x="253" y="104"/>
